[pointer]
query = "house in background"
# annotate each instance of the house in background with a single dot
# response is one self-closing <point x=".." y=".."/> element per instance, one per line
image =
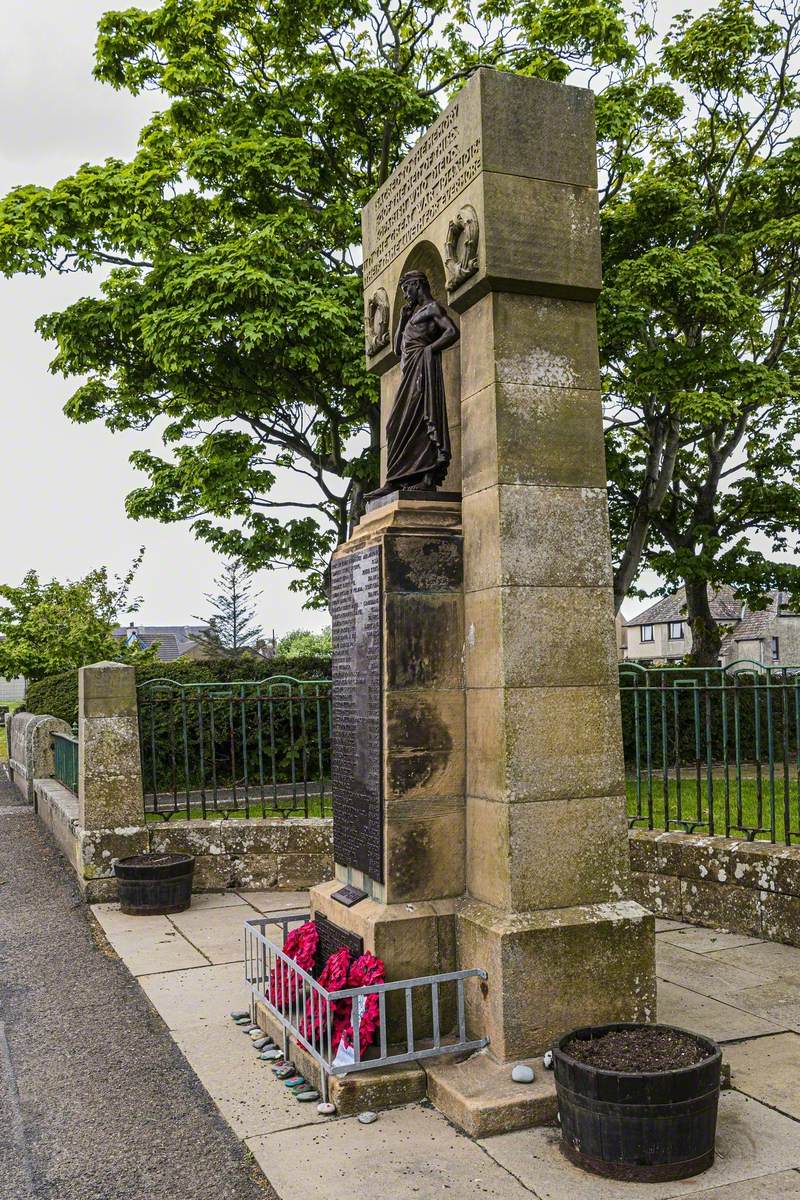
<point x="174" y="641"/>
<point x="11" y="689"/>
<point x="662" y="632"/>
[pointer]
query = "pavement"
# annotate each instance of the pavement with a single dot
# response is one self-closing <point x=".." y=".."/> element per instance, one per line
<point x="742" y="991"/>
<point x="97" y="1102"/>
<point x="122" y="1076"/>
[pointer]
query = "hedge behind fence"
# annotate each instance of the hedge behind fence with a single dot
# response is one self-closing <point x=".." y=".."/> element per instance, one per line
<point x="57" y="696"/>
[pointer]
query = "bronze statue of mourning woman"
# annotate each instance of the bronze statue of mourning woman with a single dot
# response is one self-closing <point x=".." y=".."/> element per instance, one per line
<point x="417" y="436"/>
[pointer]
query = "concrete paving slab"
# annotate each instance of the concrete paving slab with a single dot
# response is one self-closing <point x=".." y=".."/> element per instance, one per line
<point x="664" y="925"/>
<point x="768" y="1069"/>
<point x="202" y="996"/>
<point x="700" y="973"/>
<point x="277" y="901"/>
<point x="215" y="900"/>
<point x="244" y="1089"/>
<point x="704" y="941"/>
<point x="777" y="1000"/>
<point x="701" y="1014"/>
<point x="752" y="1142"/>
<point x="783" y="1186"/>
<point x="770" y="960"/>
<point x="147" y="944"/>
<point x="407" y="1152"/>
<point x="216" y="932"/>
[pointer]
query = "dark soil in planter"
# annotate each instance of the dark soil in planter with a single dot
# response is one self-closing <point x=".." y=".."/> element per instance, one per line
<point x="634" y="1050"/>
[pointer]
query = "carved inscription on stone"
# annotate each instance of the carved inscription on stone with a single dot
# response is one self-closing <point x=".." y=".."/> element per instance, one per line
<point x="434" y="173"/>
<point x="357" y="712"/>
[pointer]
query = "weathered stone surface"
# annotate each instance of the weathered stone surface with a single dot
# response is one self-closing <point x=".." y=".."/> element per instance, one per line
<point x="107" y="689"/>
<point x="545" y="743"/>
<point x="424" y="640"/>
<point x="296" y="871"/>
<point x="780" y="917"/>
<point x="417" y="564"/>
<point x="425" y="850"/>
<point x="539" y="637"/>
<point x="424" y="773"/>
<point x="110" y="777"/>
<point x="100" y="849"/>
<point x="212" y="872"/>
<point x="535" y="536"/>
<point x="425" y="720"/>
<point x="187" y="837"/>
<point x="554" y="969"/>
<point x="534" y="341"/>
<point x="511" y="863"/>
<point x="479" y="1097"/>
<point x="659" y="894"/>
<point x="644" y="849"/>
<point x="722" y="905"/>
<point x="259" y="871"/>
<point x="516" y="434"/>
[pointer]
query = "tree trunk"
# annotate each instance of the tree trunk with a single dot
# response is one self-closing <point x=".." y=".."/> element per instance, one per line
<point x="706" y="637"/>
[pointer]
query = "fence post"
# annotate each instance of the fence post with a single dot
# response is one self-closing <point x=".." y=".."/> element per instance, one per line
<point x="109" y="763"/>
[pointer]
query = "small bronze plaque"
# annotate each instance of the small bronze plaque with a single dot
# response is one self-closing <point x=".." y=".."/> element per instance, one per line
<point x="332" y="938"/>
<point x="349" y="895"/>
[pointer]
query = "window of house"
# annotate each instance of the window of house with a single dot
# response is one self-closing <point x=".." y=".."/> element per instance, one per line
<point x="676" y="630"/>
<point x="776" y="649"/>
<point x="647" y="633"/>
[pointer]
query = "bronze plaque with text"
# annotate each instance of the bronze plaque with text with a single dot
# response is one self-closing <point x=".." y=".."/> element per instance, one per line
<point x="357" y="712"/>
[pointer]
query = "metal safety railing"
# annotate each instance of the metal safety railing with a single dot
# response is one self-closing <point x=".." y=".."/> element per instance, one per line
<point x="713" y="749"/>
<point x="250" y="748"/>
<point x="305" y="1010"/>
<point x="65" y="760"/>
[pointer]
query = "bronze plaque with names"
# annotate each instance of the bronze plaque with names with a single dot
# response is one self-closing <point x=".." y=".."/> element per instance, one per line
<point x="356" y="776"/>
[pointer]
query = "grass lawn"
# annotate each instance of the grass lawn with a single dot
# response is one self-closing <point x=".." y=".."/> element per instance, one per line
<point x="749" y="801"/>
<point x="196" y="811"/>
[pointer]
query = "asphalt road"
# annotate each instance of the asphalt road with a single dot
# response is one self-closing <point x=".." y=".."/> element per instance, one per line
<point x="96" y="1100"/>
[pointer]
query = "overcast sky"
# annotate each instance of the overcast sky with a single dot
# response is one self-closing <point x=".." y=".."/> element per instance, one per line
<point x="63" y="486"/>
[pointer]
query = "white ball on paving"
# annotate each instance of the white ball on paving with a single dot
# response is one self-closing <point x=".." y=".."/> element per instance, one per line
<point x="326" y="1109"/>
<point x="522" y="1073"/>
<point x="366" y="1118"/>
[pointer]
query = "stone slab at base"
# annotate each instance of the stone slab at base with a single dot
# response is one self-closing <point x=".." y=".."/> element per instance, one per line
<point x="388" y="1087"/>
<point x="479" y="1095"/>
<point x="553" y="970"/>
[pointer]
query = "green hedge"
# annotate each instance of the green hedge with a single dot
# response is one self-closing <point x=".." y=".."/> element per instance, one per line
<point x="57" y="696"/>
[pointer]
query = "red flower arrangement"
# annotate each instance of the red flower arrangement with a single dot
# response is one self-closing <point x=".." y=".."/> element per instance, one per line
<point x="300" y="945"/>
<point x="333" y="977"/>
<point x="365" y="970"/>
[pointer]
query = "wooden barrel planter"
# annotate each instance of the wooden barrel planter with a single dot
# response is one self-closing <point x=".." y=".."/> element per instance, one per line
<point x="648" y="1125"/>
<point x="148" y="884"/>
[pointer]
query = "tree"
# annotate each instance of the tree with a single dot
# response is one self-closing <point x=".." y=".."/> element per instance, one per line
<point x="700" y="319"/>
<point x="50" y="627"/>
<point x="230" y="630"/>
<point x="231" y="303"/>
<point x="301" y="642"/>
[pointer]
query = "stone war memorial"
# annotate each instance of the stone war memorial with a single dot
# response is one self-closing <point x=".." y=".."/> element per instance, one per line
<point x="479" y="814"/>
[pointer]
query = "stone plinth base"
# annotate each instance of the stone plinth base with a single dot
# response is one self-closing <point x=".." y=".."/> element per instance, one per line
<point x="479" y="1095"/>
<point x="410" y="939"/>
<point x="553" y="970"/>
<point x="386" y="1087"/>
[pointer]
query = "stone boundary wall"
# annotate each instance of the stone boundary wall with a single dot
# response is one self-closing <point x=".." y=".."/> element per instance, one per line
<point x="30" y="749"/>
<point x="745" y="887"/>
<point x="245" y="855"/>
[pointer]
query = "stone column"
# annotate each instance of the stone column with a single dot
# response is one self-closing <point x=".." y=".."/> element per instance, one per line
<point x="109" y="766"/>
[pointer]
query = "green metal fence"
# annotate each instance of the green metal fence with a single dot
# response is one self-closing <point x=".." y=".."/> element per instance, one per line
<point x="715" y="750"/>
<point x="65" y="755"/>
<point x="248" y="749"/>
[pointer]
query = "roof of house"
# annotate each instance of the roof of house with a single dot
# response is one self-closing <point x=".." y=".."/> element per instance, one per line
<point x="173" y="640"/>
<point x="757" y="624"/>
<point x="723" y="603"/>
